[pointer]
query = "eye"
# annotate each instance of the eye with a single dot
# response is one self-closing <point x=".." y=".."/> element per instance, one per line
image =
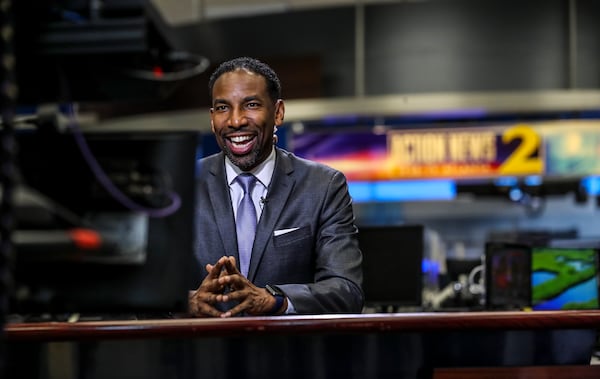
<point x="253" y="105"/>
<point x="220" y="108"/>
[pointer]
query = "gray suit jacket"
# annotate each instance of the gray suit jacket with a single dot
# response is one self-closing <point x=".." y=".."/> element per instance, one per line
<point x="318" y="265"/>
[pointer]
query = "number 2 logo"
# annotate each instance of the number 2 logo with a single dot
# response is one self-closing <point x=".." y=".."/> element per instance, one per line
<point x="524" y="160"/>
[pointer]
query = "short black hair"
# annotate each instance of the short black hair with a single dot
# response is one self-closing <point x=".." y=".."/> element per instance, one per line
<point x="253" y="65"/>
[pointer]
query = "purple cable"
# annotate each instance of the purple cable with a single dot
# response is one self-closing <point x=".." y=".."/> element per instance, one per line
<point x="109" y="186"/>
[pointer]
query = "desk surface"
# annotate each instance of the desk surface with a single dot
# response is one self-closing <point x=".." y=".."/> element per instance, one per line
<point x="403" y="345"/>
<point x="357" y="323"/>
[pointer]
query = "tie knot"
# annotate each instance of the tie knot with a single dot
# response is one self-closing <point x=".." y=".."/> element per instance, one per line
<point x="246" y="181"/>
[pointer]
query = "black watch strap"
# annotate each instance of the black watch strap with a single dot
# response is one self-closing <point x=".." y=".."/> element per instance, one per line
<point x="279" y="298"/>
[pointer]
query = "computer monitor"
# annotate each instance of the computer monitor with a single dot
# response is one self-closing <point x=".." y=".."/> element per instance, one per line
<point x="507" y="275"/>
<point x="392" y="265"/>
<point x="137" y="256"/>
<point x="564" y="278"/>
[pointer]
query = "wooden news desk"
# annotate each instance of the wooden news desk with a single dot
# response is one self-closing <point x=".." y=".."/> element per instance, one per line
<point x="404" y="345"/>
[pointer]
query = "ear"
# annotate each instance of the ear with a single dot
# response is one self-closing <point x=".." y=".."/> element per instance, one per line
<point x="279" y="112"/>
<point x="212" y="124"/>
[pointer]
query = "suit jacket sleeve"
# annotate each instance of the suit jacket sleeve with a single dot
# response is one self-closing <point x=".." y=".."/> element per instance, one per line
<point x="336" y="285"/>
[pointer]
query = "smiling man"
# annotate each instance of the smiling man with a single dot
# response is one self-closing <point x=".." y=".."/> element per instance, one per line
<point x="276" y="233"/>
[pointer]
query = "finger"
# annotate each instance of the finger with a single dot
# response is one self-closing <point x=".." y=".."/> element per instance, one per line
<point x="231" y="266"/>
<point x="199" y="308"/>
<point x="231" y="296"/>
<point x="213" y="271"/>
<point x="209" y="285"/>
<point x="235" y="281"/>
<point x="231" y="259"/>
<point x="223" y="260"/>
<point x="241" y="307"/>
<point x="223" y="273"/>
<point x="212" y="286"/>
<point x="238" y="282"/>
<point x="226" y="280"/>
<point x="216" y="269"/>
<point x="205" y="310"/>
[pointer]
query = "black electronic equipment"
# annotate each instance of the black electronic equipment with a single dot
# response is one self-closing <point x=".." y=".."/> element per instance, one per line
<point x="507" y="275"/>
<point x="107" y="226"/>
<point x="392" y="265"/>
<point x="96" y="51"/>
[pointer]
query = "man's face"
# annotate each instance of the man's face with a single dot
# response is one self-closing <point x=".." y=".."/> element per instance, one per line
<point x="243" y="117"/>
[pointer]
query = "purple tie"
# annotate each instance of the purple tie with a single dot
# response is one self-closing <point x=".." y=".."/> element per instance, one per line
<point x="245" y="223"/>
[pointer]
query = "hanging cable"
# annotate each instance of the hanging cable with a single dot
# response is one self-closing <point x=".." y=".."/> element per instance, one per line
<point x="106" y="182"/>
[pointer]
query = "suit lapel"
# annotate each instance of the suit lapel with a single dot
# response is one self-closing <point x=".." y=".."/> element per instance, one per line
<point x="221" y="204"/>
<point x="277" y="195"/>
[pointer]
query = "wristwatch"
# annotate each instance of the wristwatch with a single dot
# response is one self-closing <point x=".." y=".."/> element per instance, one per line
<point x="279" y="298"/>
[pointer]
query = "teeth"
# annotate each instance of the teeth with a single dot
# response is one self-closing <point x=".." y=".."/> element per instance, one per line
<point x="241" y="139"/>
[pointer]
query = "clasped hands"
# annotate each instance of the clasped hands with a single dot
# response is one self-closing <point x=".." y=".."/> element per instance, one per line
<point x="225" y="283"/>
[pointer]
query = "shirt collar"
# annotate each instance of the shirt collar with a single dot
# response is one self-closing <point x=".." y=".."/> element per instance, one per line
<point x="263" y="172"/>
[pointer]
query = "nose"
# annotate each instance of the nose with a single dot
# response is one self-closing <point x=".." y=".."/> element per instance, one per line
<point x="238" y="118"/>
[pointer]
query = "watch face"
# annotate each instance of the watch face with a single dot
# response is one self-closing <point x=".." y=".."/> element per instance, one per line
<point x="275" y="291"/>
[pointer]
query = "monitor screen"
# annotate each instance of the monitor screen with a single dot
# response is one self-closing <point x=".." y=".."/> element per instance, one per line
<point x="83" y="246"/>
<point x="507" y="275"/>
<point x="564" y="278"/>
<point x="392" y="264"/>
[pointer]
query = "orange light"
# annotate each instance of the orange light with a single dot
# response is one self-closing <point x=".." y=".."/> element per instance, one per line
<point x="158" y="71"/>
<point x="85" y="238"/>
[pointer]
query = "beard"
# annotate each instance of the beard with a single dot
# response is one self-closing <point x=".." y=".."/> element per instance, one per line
<point x="244" y="162"/>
